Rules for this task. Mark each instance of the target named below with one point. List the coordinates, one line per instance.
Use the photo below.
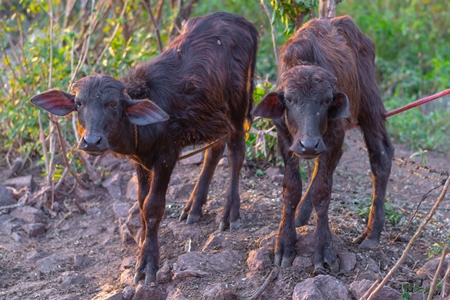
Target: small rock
(128, 292)
(180, 191)
(127, 277)
(176, 294)
(259, 260)
(322, 287)
(29, 214)
(164, 274)
(368, 275)
(16, 237)
(210, 292)
(428, 270)
(133, 220)
(372, 265)
(305, 240)
(8, 227)
(302, 262)
(128, 263)
(6, 197)
(71, 278)
(359, 288)
(125, 235)
(85, 195)
(348, 261)
(114, 296)
(121, 209)
(55, 262)
(214, 242)
(198, 264)
(268, 239)
(81, 261)
(226, 295)
(34, 229)
(34, 255)
(183, 232)
(112, 184)
(20, 182)
(418, 296)
(145, 292)
(132, 189)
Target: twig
(410, 219)
(413, 239)
(124, 8)
(436, 275)
(152, 19)
(66, 162)
(274, 37)
(272, 275)
(445, 279)
(371, 288)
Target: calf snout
(93, 144)
(309, 147)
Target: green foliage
(412, 40)
(436, 249)
(291, 13)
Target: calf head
(104, 109)
(308, 100)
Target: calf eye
(289, 100)
(78, 104)
(113, 104)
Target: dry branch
(413, 240)
(436, 275)
(272, 27)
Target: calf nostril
(317, 145)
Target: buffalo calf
(199, 90)
(326, 81)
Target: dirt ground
(83, 256)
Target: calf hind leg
(381, 152)
(193, 209)
(236, 154)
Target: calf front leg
(151, 213)
(193, 209)
(320, 190)
(292, 192)
(145, 178)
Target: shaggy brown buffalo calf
(200, 90)
(326, 81)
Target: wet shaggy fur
(325, 58)
(202, 85)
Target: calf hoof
(149, 277)
(235, 225)
(326, 269)
(369, 244)
(192, 218)
(284, 262)
(183, 216)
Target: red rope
(410, 105)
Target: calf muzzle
(93, 144)
(308, 148)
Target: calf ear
(340, 109)
(144, 112)
(57, 102)
(271, 106)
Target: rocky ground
(85, 248)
